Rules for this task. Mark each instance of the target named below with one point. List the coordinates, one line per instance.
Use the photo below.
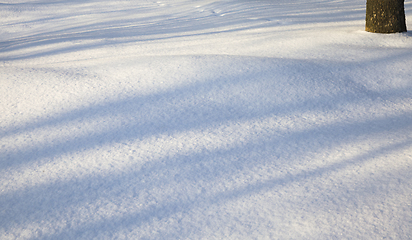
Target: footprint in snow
(280, 22)
(217, 12)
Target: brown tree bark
(385, 16)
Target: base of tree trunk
(385, 16)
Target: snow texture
(203, 119)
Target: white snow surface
(203, 119)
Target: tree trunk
(385, 16)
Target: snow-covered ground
(203, 119)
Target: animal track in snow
(278, 21)
(217, 12)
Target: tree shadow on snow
(176, 186)
(148, 22)
(183, 185)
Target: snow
(203, 119)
